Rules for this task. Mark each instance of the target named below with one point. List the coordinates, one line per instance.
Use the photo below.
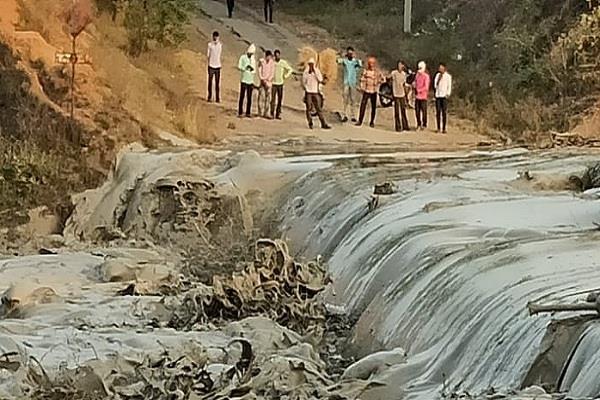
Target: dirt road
(247, 27)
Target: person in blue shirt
(351, 66)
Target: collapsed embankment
(120, 309)
(436, 274)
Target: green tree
(162, 21)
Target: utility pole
(407, 16)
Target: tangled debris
(589, 180)
(150, 200)
(271, 363)
(274, 285)
(385, 188)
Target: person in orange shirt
(370, 81)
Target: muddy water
(444, 268)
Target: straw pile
(328, 65)
(326, 61)
(305, 54)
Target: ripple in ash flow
(445, 269)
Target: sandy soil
(590, 126)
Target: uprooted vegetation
(287, 368)
(263, 309)
(274, 285)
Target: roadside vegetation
(520, 66)
(44, 155)
(41, 157)
(150, 22)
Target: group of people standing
(404, 83)
(272, 71)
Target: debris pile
(385, 188)
(274, 285)
(177, 202)
(269, 362)
(589, 180)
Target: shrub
(162, 21)
(41, 160)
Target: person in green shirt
(283, 71)
(247, 67)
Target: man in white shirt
(215, 49)
(399, 92)
(311, 80)
(442, 84)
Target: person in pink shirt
(422, 85)
(266, 73)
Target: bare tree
(78, 16)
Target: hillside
(157, 97)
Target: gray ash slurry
(445, 267)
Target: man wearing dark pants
(311, 79)
(443, 89)
(247, 67)
(230, 6)
(283, 71)
(214, 67)
(370, 81)
(399, 92)
(269, 11)
(422, 84)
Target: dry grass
(305, 54)
(328, 65)
(198, 123)
(41, 159)
(160, 87)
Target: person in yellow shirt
(283, 71)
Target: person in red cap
(370, 81)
